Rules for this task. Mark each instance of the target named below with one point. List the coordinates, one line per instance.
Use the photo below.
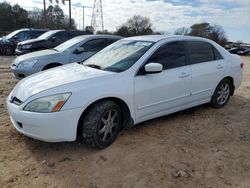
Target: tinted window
(95, 45)
(24, 35)
(170, 55)
(217, 54)
(110, 41)
(63, 35)
(35, 34)
(200, 52)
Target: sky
(165, 15)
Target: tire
(222, 94)
(7, 50)
(101, 124)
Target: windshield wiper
(94, 66)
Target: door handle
(183, 75)
(219, 66)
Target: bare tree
(213, 32)
(137, 25)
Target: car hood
(43, 54)
(54, 78)
(31, 41)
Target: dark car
(244, 52)
(236, 50)
(9, 42)
(48, 40)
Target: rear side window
(171, 55)
(95, 45)
(217, 55)
(200, 52)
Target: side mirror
(152, 68)
(79, 50)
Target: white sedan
(128, 82)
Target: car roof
(83, 37)
(157, 38)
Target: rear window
(200, 52)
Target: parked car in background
(244, 52)
(74, 50)
(236, 50)
(48, 40)
(9, 42)
(130, 81)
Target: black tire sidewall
(214, 103)
(100, 143)
(2, 50)
(92, 122)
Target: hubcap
(223, 93)
(109, 124)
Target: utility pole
(44, 11)
(63, 2)
(83, 18)
(69, 13)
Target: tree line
(139, 25)
(15, 17)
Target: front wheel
(222, 94)
(102, 124)
(7, 50)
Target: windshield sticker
(143, 43)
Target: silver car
(74, 50)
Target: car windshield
(12, 34)
(119, 56)
(47, 35)
(68, 44)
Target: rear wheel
(7, 50)
(222, 94)
(102, 124)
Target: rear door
(207, 66)
(161, 93)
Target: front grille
(16, 101)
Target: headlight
(27, 64)
(52, 103)
(27, 46)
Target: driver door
(91, 47)
(161, 93)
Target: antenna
(97, 16)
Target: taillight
(242, 65)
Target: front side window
(171, 55)
(94, 45)
(200, 52)
(119, 56)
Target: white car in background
(76, 49)
(128, 82)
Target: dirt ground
(200, 147)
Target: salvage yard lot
(199, 147)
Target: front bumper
(49, 127)
(21, 73)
